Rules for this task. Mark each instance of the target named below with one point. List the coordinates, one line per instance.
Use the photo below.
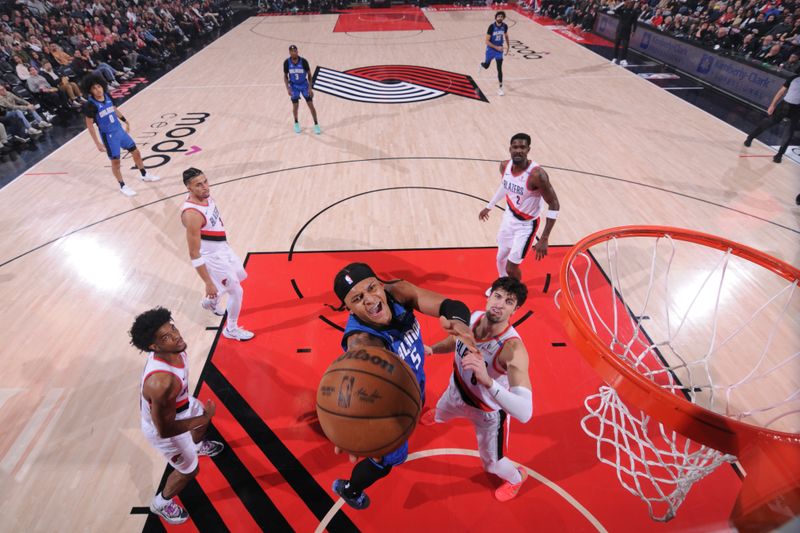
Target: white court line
(44, 438)
(682, 88)
(30, 430)
(246, 86)
(473, 453)
(6, 394)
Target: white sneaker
(209, 448)
(623, 63)
(43, 124)
(127, 191)
(614, 61)
(500, 92)
(172, 512)
(49, 116)
(237, 334)
(149, 177)
(210, 304)
(33, 131)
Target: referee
(779, 110)
(628, 15)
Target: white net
(711, 327)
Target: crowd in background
(47, 47)
(765, 31)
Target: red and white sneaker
(507, 491)
(172, 512)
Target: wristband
(454, 309)
(197, 262)
(552, 214)
(494, 389)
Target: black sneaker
(748, 141)
(362, 502)
(777, 158)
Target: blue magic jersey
(497, 34)
(104, 114)
(402, 336)
(296, 71)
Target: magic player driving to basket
(383, 315)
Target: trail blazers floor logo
(394, 84)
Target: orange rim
(699, 424)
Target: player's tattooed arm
(363, 339)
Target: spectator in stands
(61, 57)
(774, 55)
(748, 46)
(21, 69)
(41, 89)
(69, 89)
(792, 64)
(15, 128)
(13, 105)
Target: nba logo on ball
(368, 402)
(345, 391)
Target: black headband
(349, 276)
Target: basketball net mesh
(655, 463)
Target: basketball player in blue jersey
(297, 77)
(495, 36)
(100, 110)
(383, 315)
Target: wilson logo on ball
(394, 84)
(362, 355)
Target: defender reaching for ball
(383, 315)
(486, 386)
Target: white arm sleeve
(497, 196)
(517, 401)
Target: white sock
(502, 259)
(235, 294)
(506, 470)
(159, 502)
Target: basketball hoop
(698, 340)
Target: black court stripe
(546, 283)
(331, 324)
(525, 317)
(317, 499)
(304, 350)
(255, 500)
(140, 510)
(558, 344)
(153, 525)
(201, 511)
(297, 289)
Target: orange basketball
(368, 402)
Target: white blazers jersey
(212, 234)
(154, 365)
(475, 394)
(523, 203)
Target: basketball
(368, 402)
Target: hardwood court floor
(78, 260)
